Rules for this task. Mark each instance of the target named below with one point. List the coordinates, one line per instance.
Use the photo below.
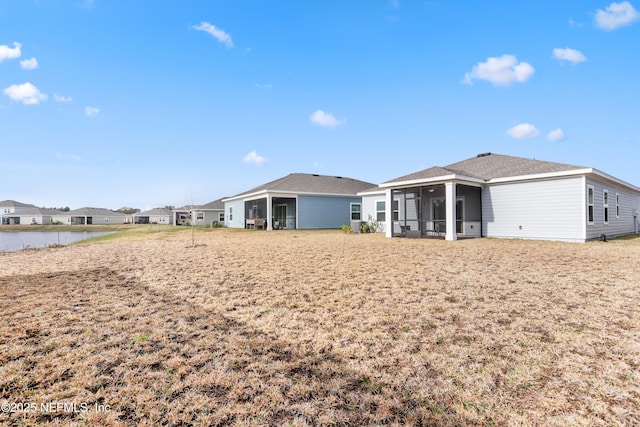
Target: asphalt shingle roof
(93, 212)
(215, 205)
(490, 166)
(312, 183)
(14, 204)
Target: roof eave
(572, 172)
(434, 180)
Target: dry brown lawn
(321, 328)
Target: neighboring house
(182, 216)
(33, 216)
(493, 195)
(210, 213)
(8, 207)
(89, 216)
(154, 216)
(297, 201)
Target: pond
(15, 240)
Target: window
(396, 210)
(617, 205)
(355, 212)
(106, 220)
(380, 211)
(230, 213)
(199, 216)
(605, 205)
(221, 217)
(590, 204)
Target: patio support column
(450, 202)
(269, 213)
(388, 214)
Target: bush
(346, 229)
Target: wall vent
(483, 154)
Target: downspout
(481, 209)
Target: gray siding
(324, 212)
(550, 209)
(618, 225)
(208, 216)
(238, 213)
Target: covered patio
(271, 213)
(448, 210)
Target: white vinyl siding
(619, 224)
(549, 209)
(235, 213)
(370, 208)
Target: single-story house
(211, 213)
(493, 195)
(154, 216)
(88, 216)
(297, 201)
(31, 215)
(8, 207)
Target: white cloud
(255, 158)
(91, 111)
(63, 99)
(556, 135)
(501, 71)
(26, 93)
(29, 64)
(575, 24)
(324, 119)
(10, 53)
(616, 15)
(216, 33)
(76, 157)
(523, 130)
(571, 55)
(264, 85)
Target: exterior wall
(208, 217)
(63, 219)
(369, 208)
(238, 213)
(617, 225)
(549, 210)
(29, 219)
(315, 212)
(161, 219)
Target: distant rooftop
(312, 183)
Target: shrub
(346, 229)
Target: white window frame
(220, 216)
(383, 211)
(590, 204)
(617, 205)
(230, 213)
(605, 206)
(351, 212)
(199, 216)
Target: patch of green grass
(140, 338)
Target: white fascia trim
(614, 179)
(289, 194)
(372, 193)
(541, 176)
(436, 180)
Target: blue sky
(113, 103)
